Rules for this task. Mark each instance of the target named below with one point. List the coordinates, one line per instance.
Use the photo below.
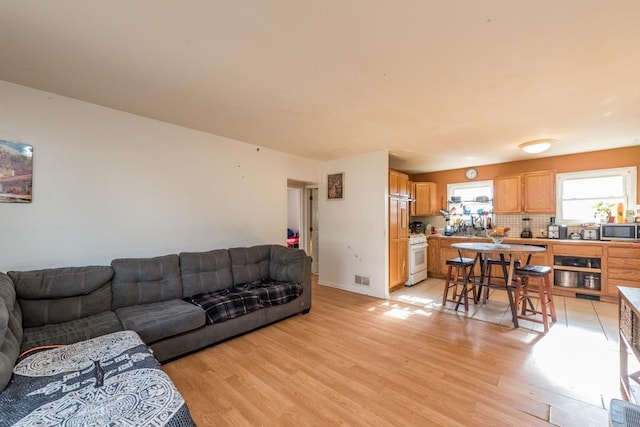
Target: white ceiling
(440, 84)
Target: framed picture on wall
(335, 186)
(16, 172)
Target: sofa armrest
(10, 329)
(287, 264)
(292, 265)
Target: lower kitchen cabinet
(398, 263)
(440, 250)
(446, 252)
(398, 242)
(613, 264)
(433, 257)
(623, 268)
(578, 269)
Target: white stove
(417, 258)
(415, 239)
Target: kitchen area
(589, 259)
(588, 269)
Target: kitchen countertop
(537, 240)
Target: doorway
(314, 230)
(302, 218)
(294, 217)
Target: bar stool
(464, 277)
(523, 294)
(488, 274)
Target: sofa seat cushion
(160, 320)
(273, 292)
(72, 331)
(226, 304)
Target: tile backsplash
(538, 223)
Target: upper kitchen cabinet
(540, 192)
(533, 192)
(398, 184)
(425, 201)
(507, 194)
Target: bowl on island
(498, 234)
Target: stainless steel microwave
(627, 231)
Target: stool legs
(489, 274)
(464, 277)
(449, 285)
(487, 277)
(543, 294)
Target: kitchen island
(602, 265)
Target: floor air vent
(623, 414)
(362, 280)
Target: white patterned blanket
(109, 380)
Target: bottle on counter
(488, 224)
(620, 214)
(448, 229)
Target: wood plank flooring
(407, 361)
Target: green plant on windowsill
(603, 211)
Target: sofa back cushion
(287, 264)
(250, 264)
(10, 329)
(59, 295)
(204, 272)
(146, 280)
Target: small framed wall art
(335, 186)
(16, 172)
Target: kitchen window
(471, 197)
(578, 192)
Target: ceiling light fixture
(536, 146)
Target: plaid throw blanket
(226, 304)
(274, 293)
(230, 303)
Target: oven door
(417, 258)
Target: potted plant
(603, 211)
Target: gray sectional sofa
(175, 304)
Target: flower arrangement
(603, 210)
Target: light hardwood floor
(407, 361)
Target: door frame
(304, 209)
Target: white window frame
(630, 187)
(465, 185)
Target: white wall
(353, 237)
(108, 184)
